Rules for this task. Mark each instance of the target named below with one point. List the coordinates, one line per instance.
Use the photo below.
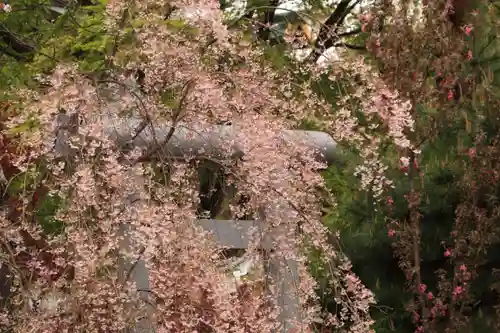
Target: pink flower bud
(469, 55)
(450, 95)
(458, 291)
(468, 29)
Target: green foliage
(12, 74)
(364, 233)
(274, 55)
(80, 36)
(45, 214)
(169, 98)
(28, 125)
(29, 23)
(46, 206)
(364, 239)
(24, 181)
(77, 35)
(330, 91)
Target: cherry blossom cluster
(5, 7)
(215, 76)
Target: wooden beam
(284, 275)
(236, 234)
(194, 142)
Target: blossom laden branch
(178, 114)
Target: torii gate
(228, 233)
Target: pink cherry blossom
(459, 290)
(468, 29)
(188, 285)
(450, 95)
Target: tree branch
(350, 33)
(14, 42)
(177, 115)
(64, 3)
(328, 35)
(7, 51)
(264, 30)
(350, 46)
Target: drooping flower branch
(196, 74)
